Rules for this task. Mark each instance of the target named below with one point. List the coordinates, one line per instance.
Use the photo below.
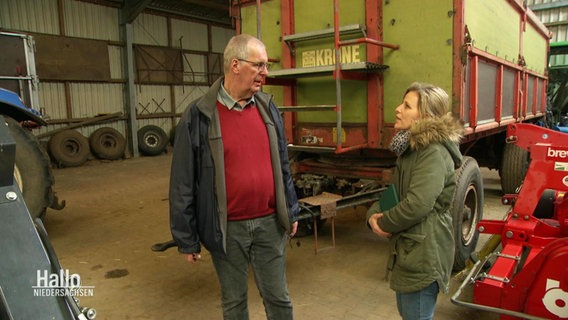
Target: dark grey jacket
(198, 200)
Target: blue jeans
(260, 243)
(418, 305)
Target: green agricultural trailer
(340, 67)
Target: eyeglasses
(259, 65)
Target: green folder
(389, 198)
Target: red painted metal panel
(473, 91)
(543, 97)
(356, 171)
(518, 96)
(289, 99)
(499, 94)
(325, 136)
(486, 56)
(369, 40)
(535, 95)
(524, 101)
(488, 292)
(375, 102)
(459, 54)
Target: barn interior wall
(198, 46)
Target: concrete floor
(117, 210)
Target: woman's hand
(373, 222)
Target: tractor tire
(32, 170)
(514, 167)
(467, 211)
(107, 143)
(152, 140)
(69, 148)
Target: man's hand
(294, 229)
(192, 257)
(373, 222)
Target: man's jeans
(418, 305)
(261, 243)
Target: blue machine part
(12, 106)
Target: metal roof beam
(131, 9)
(209, 5)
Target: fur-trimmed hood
(446, 130)
(432, 130)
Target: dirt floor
(115, 211)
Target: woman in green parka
(419, 227)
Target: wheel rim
(72, 147)
(108, 141)
(152, 140)
(469, 215)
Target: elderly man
(230, 186)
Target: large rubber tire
(514, 168)
(467, 211)
(69, 148)
(107, 143)
(32, 170)
(152, 140)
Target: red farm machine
(524, 273)
(340, 67)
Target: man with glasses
(230, 184)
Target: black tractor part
(32, 171)
(27, 254)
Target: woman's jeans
(260, 242)
(418, 305)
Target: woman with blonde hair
(419, 227)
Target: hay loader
(338, 75)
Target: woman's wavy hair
(433, 101)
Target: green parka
(422, 244)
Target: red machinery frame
(528, 276)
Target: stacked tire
(69, 148)
(107, 143)
(152, 140)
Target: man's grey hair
(237, 48)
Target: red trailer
(340, 68)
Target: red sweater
(248, 170)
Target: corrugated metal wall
(40, 16)
(554, 14)
(86, 20)
(68, 102)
